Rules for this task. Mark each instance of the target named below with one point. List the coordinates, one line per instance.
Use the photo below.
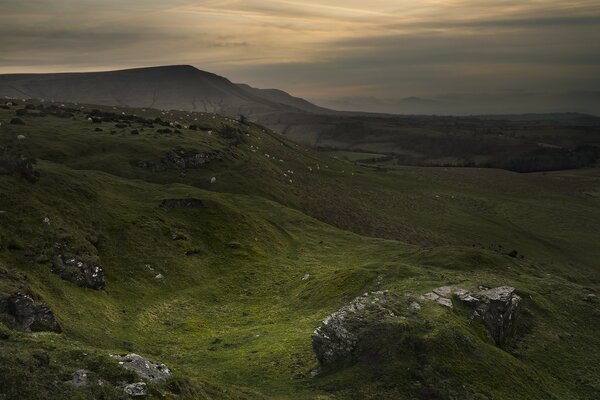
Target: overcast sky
(319, 49)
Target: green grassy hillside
(284, 237)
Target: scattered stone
(181, 159)
(306, 277)
(23, 312)
(154, 372)
(136, 389)
(181, 203)
(443, 295)
(213, 179)
(46, 220)
(21, 137)
(74, 269)
(79, 379)
(159, 276)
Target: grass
(233, 317)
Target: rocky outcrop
(82, 273)
(497, 307)
(181, 159)
(181, 203)
(336, 339)
(154, 372)
(22, 311)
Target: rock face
(23, 312)
(136, 389)
(74, 269)
(497, 307)
(180, 203)
(336, 338)
(154, 372)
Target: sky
(325, 51)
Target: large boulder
(82, 273)
(497, 307)
(152, 371)
(340, 334)
(23, 312)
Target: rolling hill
(224, 245)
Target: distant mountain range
(183, 87)
(509, 102)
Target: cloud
(318, 49)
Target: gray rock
(336, 338)
(497, 307)
(443, 295)
(74, 269)
(136, 389)
(23, 312)
(154, 372)
(79, 379)
(414, 307)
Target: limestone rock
(23, 312)
(443, 295)
(74, 269)
(154, 372)
(497, 307)
(336, 338)
(136, 389)
(79, 379)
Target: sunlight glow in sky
(319, 49)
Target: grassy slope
(253, 299)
